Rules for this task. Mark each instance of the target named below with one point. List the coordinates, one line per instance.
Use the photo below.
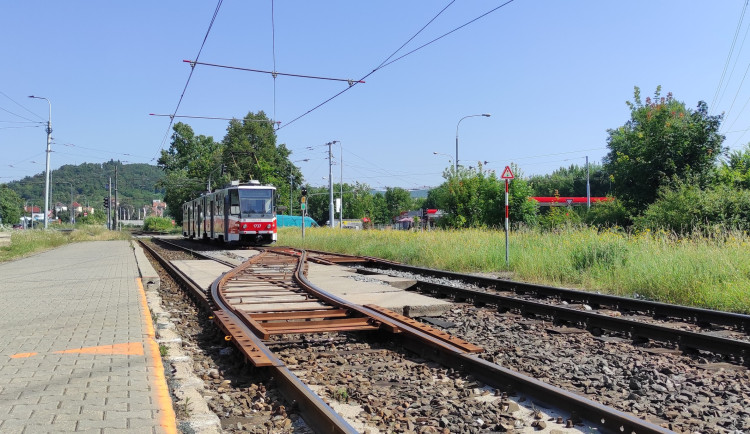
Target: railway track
(683, 327)
(239, 304)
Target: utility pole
(109, 202)
(49, 144)
(72, 213)
(330, 186)
(116, 209)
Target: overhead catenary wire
(192, 69)
(20, 105)
(16, 114)
(714, 101)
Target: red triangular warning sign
(507, 174)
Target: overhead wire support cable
(383, 65)
(273, 52)
(274, 73)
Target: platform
(77, 344)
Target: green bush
(687, 208)
(559, 217)
(609, 213)
(157, 224)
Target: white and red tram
(242, 213)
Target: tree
(571, 181)
(250, 152)
(662, 143)
(475, 198)
(10, 206)
(397, 200)
(735, 172)
(189, 163)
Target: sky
(554, 75)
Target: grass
(26, 242)
(711, 272)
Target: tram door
(199, 221)
(212, 207)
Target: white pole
(507, 262)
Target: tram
(243, 213)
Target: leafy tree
(571, 181)
(663, 142)
(250, 152)
(397, 200)
(521, 209)
(380, 213)
(188, 164)
(735, 172)
(11, 205)
(475, 198)
(98, 217)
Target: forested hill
(136, 184)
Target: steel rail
(319, 416)
(194, 290)
(496, 376)
(636, 329)
(315, 411)
(657, 309)
(197, 253)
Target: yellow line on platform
(168, 420)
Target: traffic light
(106, 202)
(304, 191)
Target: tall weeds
(708, 271)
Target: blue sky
(554, 75)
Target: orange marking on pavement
(168, 420)
(22, 355)
(127, 349)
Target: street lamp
(459, 123)
(49, 142)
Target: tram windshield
(256, 202)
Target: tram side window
(234, 202)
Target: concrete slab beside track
(384, 291)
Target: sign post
(303, 207)
(507, 176)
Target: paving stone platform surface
(76, 344)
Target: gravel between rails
(695, 393)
